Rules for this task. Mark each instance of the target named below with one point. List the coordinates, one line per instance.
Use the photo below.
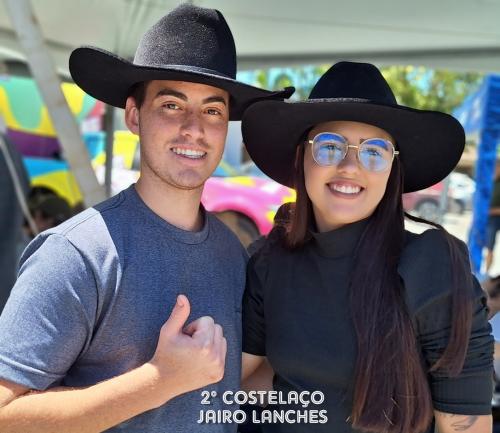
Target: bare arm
(91, 409)
(185, 359)
(495, 211)
(250, 363)
(453, 423)
(261, 379)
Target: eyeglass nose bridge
(347, 146)
(358, 147)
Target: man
(85, 325)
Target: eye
(332, 146)
(214, 112)
(372, 151)
(171, 106)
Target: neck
(178, 207)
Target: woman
(341, 299)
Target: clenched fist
(189, 357)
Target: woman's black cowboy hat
(430, 142)
(189, 44)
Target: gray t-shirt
(93, 293)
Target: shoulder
(431, 245)
(426, 268)
(268, 251)
(86, 234)
(90, 220)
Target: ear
(132, 115)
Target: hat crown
(189, 36)
(352, 80)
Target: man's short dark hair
(138, 92)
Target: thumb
(179, 315)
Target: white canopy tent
(456, 34)
(452, 34)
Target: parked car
(247, 204)
(462, 189)
(425, 203)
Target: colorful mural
(28, 121)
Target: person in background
(48, 211)
(11, 215)
(492, 288)
(493, 220)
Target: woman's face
(344, 193)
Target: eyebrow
(214, 99)
(180, 95)
(171, 92)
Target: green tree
(417, 87)
(303, 79)
(430, 89)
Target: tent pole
(109, 127)
(17, 187)
(75, 152)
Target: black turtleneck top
(296, 312)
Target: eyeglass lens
(375, 154)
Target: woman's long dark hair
(391, 393)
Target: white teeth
(346, 189)
(190, 153)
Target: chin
(190, 178)
(347, 216)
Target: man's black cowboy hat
(189, 44)
(430, 143)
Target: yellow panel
(241, 180)
(6, 112)
(63, 183)
(124, 146)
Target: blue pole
(485, 170)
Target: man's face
(182, 128)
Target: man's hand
(189, 357)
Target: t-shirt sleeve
(470, 392)
(48, 319)
(254, 333)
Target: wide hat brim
(108, 77)
(430, 142)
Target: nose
(350, 163)
(192, 125)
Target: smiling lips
(346, 189)
(189, 153)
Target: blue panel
(485, 169)
(40, 166)
(480, 114)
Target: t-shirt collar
(180, 235)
